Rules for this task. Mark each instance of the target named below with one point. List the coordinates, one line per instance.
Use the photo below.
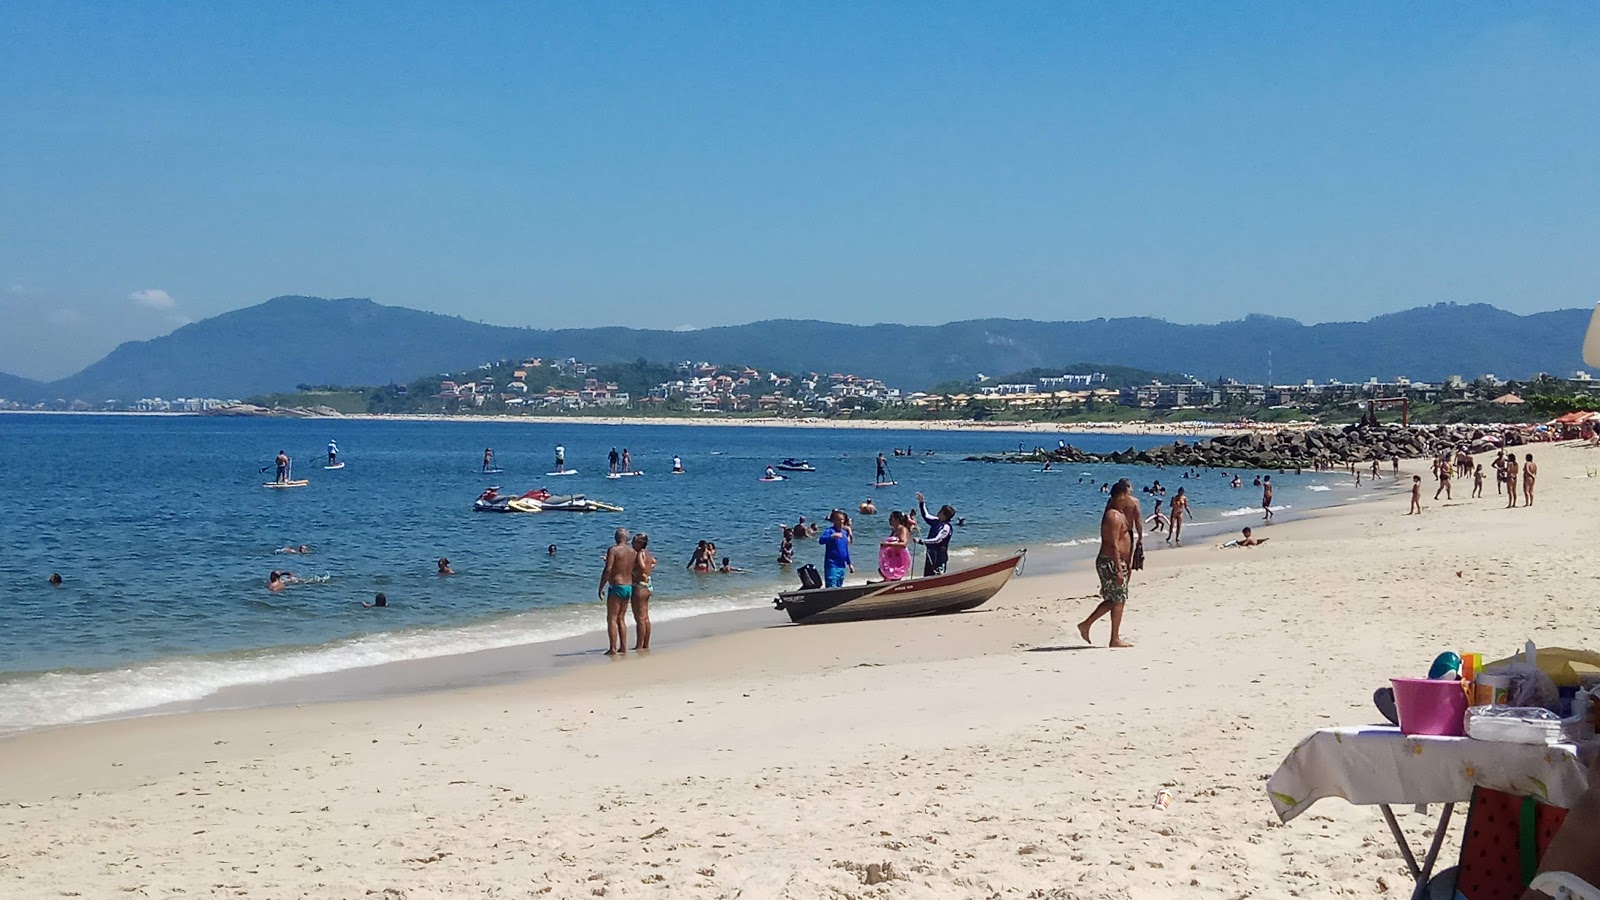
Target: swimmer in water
(728, 568)
(444, 567)
(277, 580)
(55, 579)
(552, 549)
(377, 601)
(303, 548)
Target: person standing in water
(1266, 498)
(644, 565)
(1179, 512)
(333, 453)
(894, 552)
(616, 590)
(937, 543)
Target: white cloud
(155, 298)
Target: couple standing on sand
(624, 582)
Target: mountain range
(287, 341)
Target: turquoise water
(164, 535)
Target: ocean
(164, 536)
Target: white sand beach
(983, 755)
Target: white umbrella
(1591, 340)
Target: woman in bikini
(644, 565)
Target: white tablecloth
(1371, 765)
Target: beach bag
(1505, 838)
(810, 580)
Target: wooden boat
(948, 593)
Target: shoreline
(529, 660)
(989, 753)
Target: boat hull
(953, 592)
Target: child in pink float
(894, 553)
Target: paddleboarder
(333, 452)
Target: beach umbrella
(1591, 340)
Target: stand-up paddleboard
(334, 466)
(679, 472)
(559, 474)
(615, 475)
(884, 484)
(773, 478)
(286, 484)
(493, 471)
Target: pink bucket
(1430, 707)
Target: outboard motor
(810, 580)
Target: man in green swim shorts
(616, 589)
(1113, 564)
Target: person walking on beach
(835, 543)
(1396, 462)
(1510, 471)
(644, 565)
(1179, 512)
(1442, 469)
(1112, 565)
(283, 467)
(1266, 498)
(1416, 496)
(1500, 472)
(1530, 471)
(937, 544)
(616, 590)
(1477, 482)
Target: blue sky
(691, 164)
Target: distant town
(571, 386)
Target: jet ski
(492, 500)
(795, 465)
(575, 503)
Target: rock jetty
(1293, 448)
